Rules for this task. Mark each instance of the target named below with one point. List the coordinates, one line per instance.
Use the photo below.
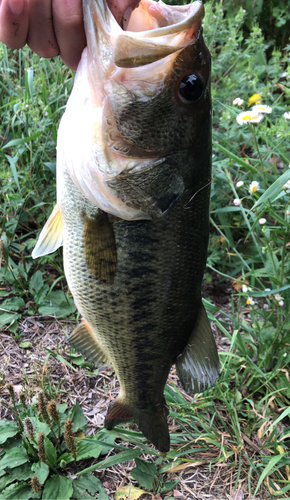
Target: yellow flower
(254, 99)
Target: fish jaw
(97, 150)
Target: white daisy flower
(244, 288)
(249, 117)
(250, 301)
(239, 184)
(253, 187)
(281, 303)
(237, 202)
(278, 297)
(261, 108)
(262, 220)
(287, 115)
(287, 185)
(238, 101)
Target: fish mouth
(149, 33)
(122, 66)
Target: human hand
(49, 27)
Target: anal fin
(198, 365)
(84, 341)
(51, 236)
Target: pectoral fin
(51, 236)
(154, 189)
(198, 365)
(84, 341)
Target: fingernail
(16, 7)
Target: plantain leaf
(13, 458)
(78, 418)
(86, 449)
(40, 426)
(146, 466)
(50, 452)
(8, 428)
(90, 483)
(145, 480)
(168, 486)
(41, 470)
(18, 491)
(58, 488)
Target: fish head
(145, 107)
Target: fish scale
(135, 229)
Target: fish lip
(194, 17)
(107, 18)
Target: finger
(69, 30)
(41, 37)
(13, 23)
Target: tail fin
(153, 424)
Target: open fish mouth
(121, 74)
(149, 32)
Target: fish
(132, 212)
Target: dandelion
(254, 99)
(250, 301)
(244, 288)
(262, 220)
(239, 184)
(253, 187)
(237, 202)
(238, 101)
(249, 117)
(262, 108)
(287, 115)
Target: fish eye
(190, 88)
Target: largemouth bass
(132, 213)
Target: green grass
(243, 422)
